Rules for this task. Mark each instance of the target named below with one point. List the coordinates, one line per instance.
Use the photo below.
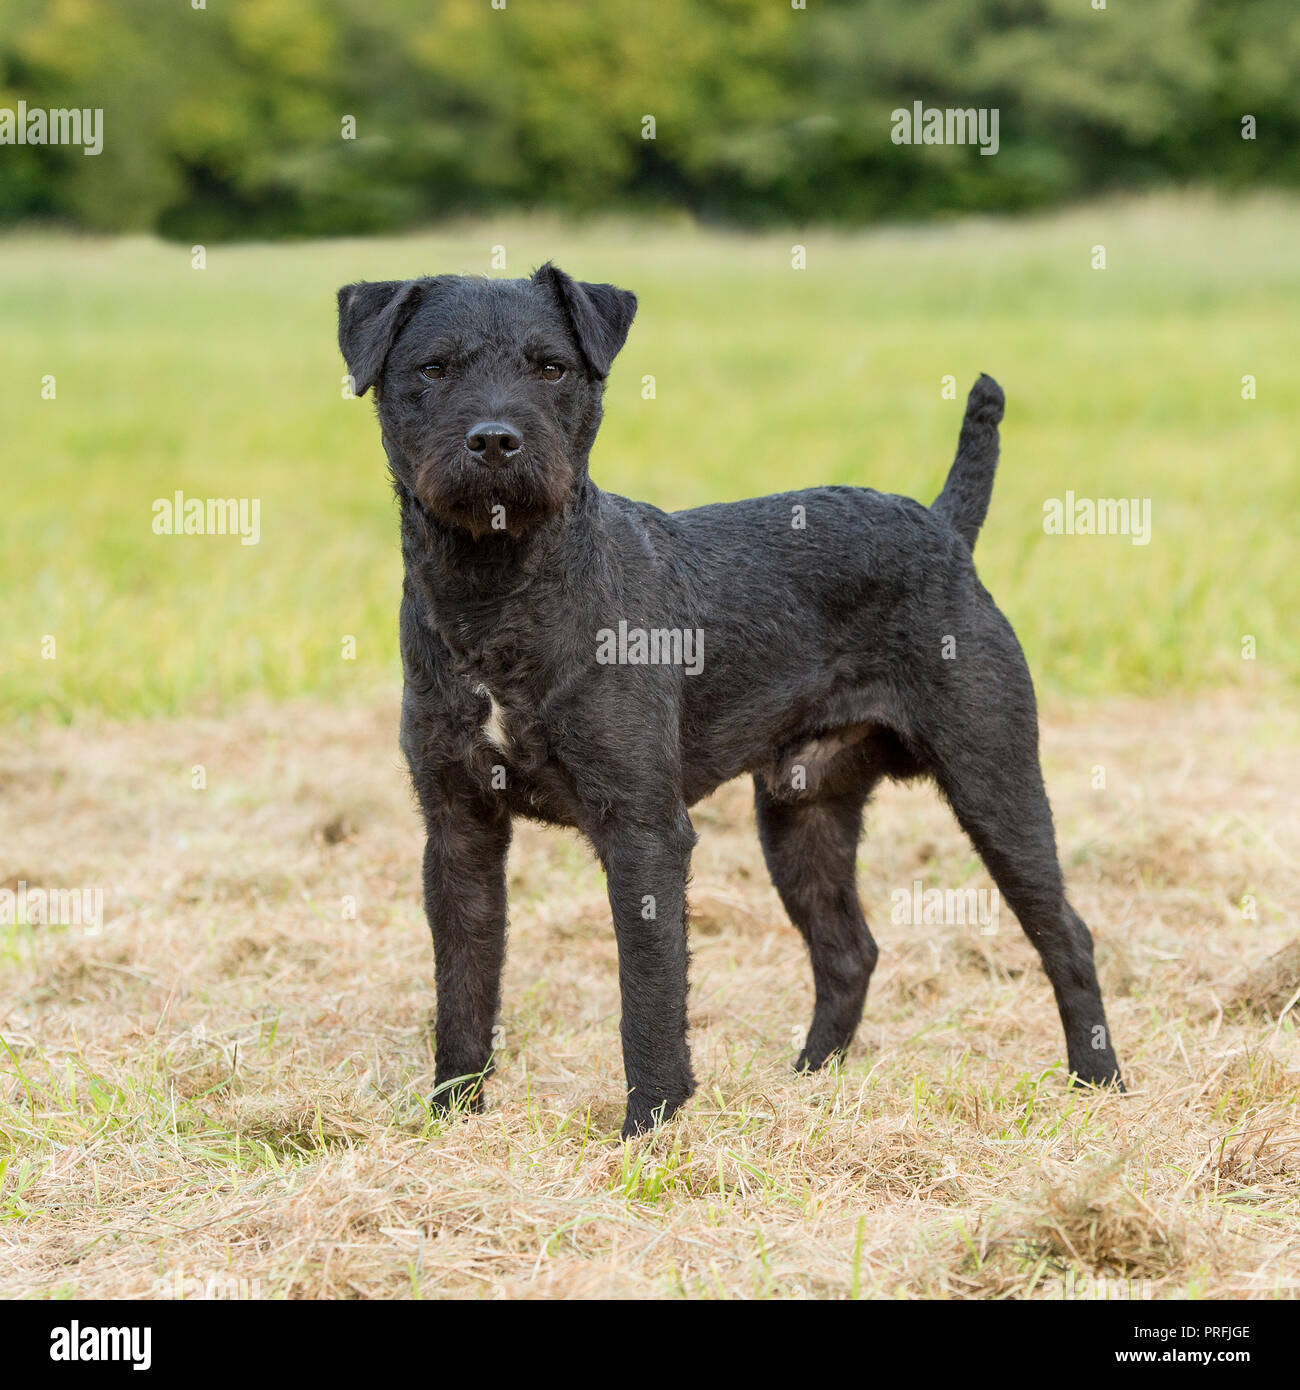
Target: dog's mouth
(506, 499)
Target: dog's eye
(433, 371)
(552, 371)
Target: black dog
(588, 661)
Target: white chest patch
(494, 726)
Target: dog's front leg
(465, 901)
(646, 867)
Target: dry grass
(225, 1084)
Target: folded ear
(371, 315)
(600, 315)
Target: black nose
(492, 442)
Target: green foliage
(227, 121)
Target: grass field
(223, 1092)
(1123, 382)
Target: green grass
(226, 382)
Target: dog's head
(488, 391)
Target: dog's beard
(508, 499)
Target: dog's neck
(463, 584)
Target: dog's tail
(964, 501)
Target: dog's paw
(815, 1058)
(1098, 1078)
(460, 1096)
(644, 1115)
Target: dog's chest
(514, 757)
(493, 729)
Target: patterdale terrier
(589, 661)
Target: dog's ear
(371, 315)
(600, 315)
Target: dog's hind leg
(811, 852)
(985, 760)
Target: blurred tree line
(229, 120)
